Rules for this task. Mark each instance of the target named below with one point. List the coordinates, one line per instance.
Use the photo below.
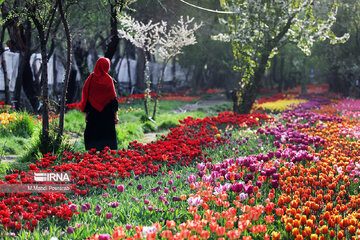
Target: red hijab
(99, 87)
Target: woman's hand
(116, 118)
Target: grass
(129, 129)
(74, 122)
(18, 135)
(13, 145)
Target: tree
(258, 29)
(42, 14)
(115, 8)
(158, 40)
(67, 68)
(343, 61)
(20, 33)
(3, 66)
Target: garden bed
(290, 175)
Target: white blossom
(157, 38)
(258, 26)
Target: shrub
(38, 147)
(149, 127)
(167, 124)
(16, 124)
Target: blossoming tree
(159, 40)
(258, 29)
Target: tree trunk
(198, 76)
(81, 55)
(281, 77)
(160, 82)
(45, 90)
(31, 87)
(72, 93)
(129, 72)
(249, 93)
(24, 41)
(6, 79)
(44, 82)
(173, 71)
(67, 72)
(140, 70)
(114, 40)
(18, 83)
(3, 66)
(55, 72)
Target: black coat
(100, 127)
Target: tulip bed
(293, 175)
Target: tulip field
(288, 170)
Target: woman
(100, 106)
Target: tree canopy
(258, 29)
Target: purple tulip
(200, 166)
(253, 167)
(139, 187)
(108, 215)
(174, 188)
(249, 189)
(146, 201)
(243, 196)
(113, 204)
(276, 176)
(128, 226)
(97, 207)
(166, 190)
(154, 190)
(73, 207)
(237, 187)
(176, 199)
(70, 230)
(120, 188)
(250, 176)
(275, 183)
(170, 182)
(84, 208)
(191, 178)
(150, 208)
(104, 237)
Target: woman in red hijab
(100, 105)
